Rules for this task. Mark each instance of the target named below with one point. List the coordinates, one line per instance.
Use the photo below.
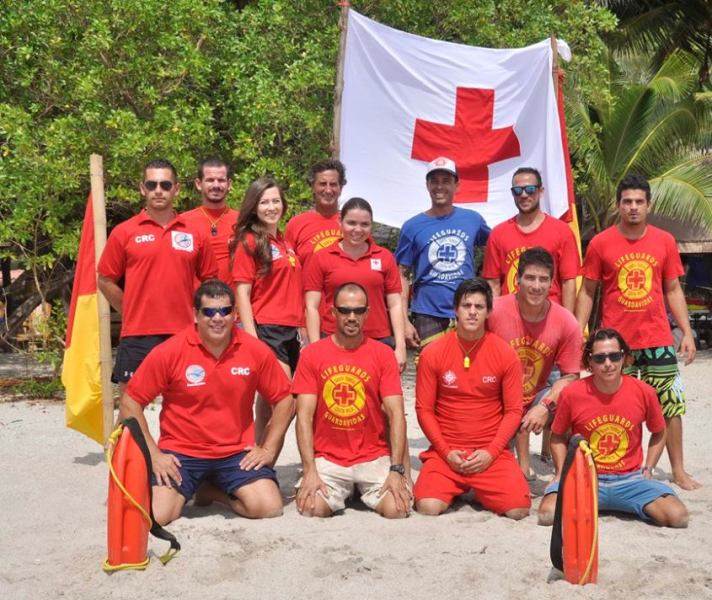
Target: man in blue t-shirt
(436, 249)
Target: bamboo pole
(339, 87)
(96, 170)
(555, 63)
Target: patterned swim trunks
(658, 368)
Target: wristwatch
(549, 405)
(400, 469)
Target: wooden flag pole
(555, 63)
(339, 88)
(96, 170)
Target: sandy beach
(53, 532)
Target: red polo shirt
(376, 271)
(310, 232)
(277, 298)
(202, 219)
(207, 402)
(160, 266)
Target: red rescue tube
(128, 521)
(580, 519)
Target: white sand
(52, 535)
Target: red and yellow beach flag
(81, 373)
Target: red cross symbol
(635, 279)
(470, 142)
(344, 395)
(608, 444)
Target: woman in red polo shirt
(268, 280)
(356, 257)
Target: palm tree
(649, 123)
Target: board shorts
(628, 493)
(499, 488)
(431, 328)
(283, 341)
(368, 477)
(225, 473)
(131, 353)
(658, 368)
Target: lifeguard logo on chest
(180, 240)
(449, 379)
(375, 264)
(195, 375)
(276, 252)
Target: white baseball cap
(442, 163)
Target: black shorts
(284, 342)
(130, 354)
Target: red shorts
(500, 488)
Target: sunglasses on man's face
(210, 312)
(166, 185)
(347, 310)
(601, 357)
(529, 189)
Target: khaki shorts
(369, 477)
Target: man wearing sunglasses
(208, 375)
(436, 249)
(214, 218)
(546, 337)
(608, 409)
(351, 428)
(531, 227)
(638, 267)
(159, 257)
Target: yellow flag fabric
(81, 372)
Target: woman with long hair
(357, 258)
(268, 280)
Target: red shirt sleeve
(491, 265)
(392, 282)
(112, 263)
(569, 262)
(244, 265)
(273, 384)
(673, 265)
(426, 391)
(314, 275)
(654, 419)
(592, 268)
(151, 378)
(568, 355)
(305, 378)
(390, 383)
(562, 419)
(512, 401)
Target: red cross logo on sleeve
(471, 142)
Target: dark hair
(356, 204)
(597, 336)
(212, 162)
(530, 171)
(212, 288)
(249, 223)
(161, 163)
(633, 181)
(536, 256)
(349, 286)
(478, 285)
(330, 164)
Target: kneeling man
(208, 375)
(347, 386)
(469, 404)
(609, 409)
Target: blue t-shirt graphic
(441, 253)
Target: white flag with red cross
(409, 99)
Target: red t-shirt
(632, 273)
(376, 271)
(612, 423)
(555, 340)
(507, 242)
(310, 232)
(224, 220)
(160, 266)
(349, 423)
(277, 299)
(469, 409)
(207, 402)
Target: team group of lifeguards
(319, 318)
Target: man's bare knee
(517, 514)
(431, 507)
(387, 509)
(321, 510)
(547, 508)
(167, 505)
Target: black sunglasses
(223, 311)
(601, 357)
(166, 185)
(347, 310)
(529, 189)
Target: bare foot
(686, 482)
